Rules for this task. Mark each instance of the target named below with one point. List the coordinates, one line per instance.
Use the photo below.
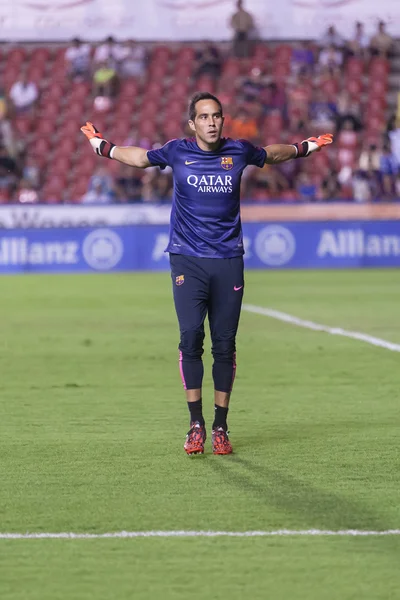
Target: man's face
(208, 121)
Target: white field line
(355, 335)
(184, 534)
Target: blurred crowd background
(137, 94)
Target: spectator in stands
(24, 94)
(253, 86)
(97, 194)
(347, 135)
(394, 137)
(397, 187)
(110, 52)
(129, 184)
(330, 187)
(361, 189)
(322, 112)
(8, 174)
(77, 58)
(348, 110)
(105, 81)
(299, 94)
(242, 23)
(243, 126)
(306, 188)
(302, 58)
(6, 160)
(357, 46)
(369, 165)
(388, 170)
(8, 183)
(381, 43)
(26, 194)
(274, 99)
(330, 58)
(208, 61)
(31, 172)
(3, 104)
(7, 137)
(157, 187)
(267, 183)
(331, 38)
(132, 60)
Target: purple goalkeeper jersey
(205, 215)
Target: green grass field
(93, 420)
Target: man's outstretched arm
(277, 153)
(130, 155)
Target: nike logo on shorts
(190, 162)
(237, 288)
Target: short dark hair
(201, 96)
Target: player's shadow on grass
(313, 508)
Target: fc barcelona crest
(227, 162)
(180, 279)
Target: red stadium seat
(182, 71)
(124, 109)
(283, 54)
(80, 90)
(23, 125)
(60, 165)
(231, 68)
(49, 111)
(77, 189)
(41, 146)
(376, 123)
(346, 157)
(161, 53)
(147, 129)
(378, 66)
(273, 124)
(205, 84)
(45, 127)
(330, 87)
(186, 54)
(36, 74)
(378, 86)
(53, 93)
(345, 139)
(129, 89)
(376, 104)
(41, 54)
(66, 145)
(16, 56)
(281, 71)
(354, 87)
(355, 67)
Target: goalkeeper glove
(313, 144)
(98, 143)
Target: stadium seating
(154, 109)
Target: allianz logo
(356, 242)
(19, 251)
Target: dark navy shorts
(212, 286)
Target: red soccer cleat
(220, 441)
(195, 439)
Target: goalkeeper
(206, 247)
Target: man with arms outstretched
(206, 247)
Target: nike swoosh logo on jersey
(237, 288)
(190, 162)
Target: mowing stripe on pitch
(355, 335)
(183, 534)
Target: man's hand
(313, 144)
(98, 143)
